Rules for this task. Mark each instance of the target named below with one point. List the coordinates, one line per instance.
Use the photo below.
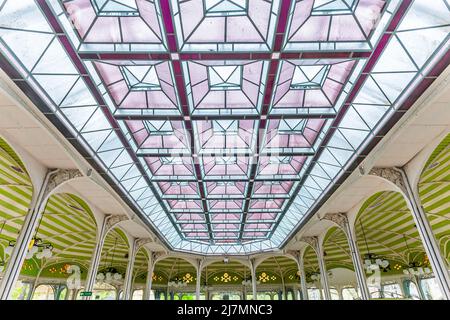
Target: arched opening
(62, 243)
(113, 264)
(277, 276)
(434, 194)
(390, 245)
(140, 274)
(175, 278)
(312, 272)
(338, 261)
(16, 191)
(227, 280)
(44, 292)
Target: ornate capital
(339, 218)
(312, 241)
(114, 220)
(61, 176)
(390, 174)
(141, 242)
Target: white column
(301, 268)
(429, 241)
(14, 265)
(253, 271)
(128, 283)
(96, 257)
(323, 273)
(150, 269)
(198, 280)
(357, 264)
(339, 290)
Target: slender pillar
(339, 290)
(14, 265)
(416, 281)
(342, 221)
(301, 268)
(357, 264)
(148, 285)
(429, 241)
(198, 280)
(95, 260)
(399, 177)
(128, 283)
(323, 272)
(253, 271)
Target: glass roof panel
(225, 26)
(211, 132)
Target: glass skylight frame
(69, 97)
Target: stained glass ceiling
(224, 123)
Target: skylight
(238, 115)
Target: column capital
(60, 176)
(340, 219)
(391, 174)
(140, 242)
(312, 241)
(113, 220)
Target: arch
(434, 194)
(310, 262)
(336, 250)
(140, 267)
(16, 193)
(281, 266)
(44, 292)
(231, 273)
(114, 257)
(170, 267)
(68, 226)
(385, 226)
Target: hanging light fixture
(110, 274)
(372, 261)
(415, 268)
(177, 282)
(36, 248)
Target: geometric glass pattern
(225, 77)
(141, 77)
(115, 25)
(334, 7)
(115, 7)
(225, 7)
(224, 124)
(225, 26)
(333, 24)
(309, 77)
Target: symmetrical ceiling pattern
(223, 123)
